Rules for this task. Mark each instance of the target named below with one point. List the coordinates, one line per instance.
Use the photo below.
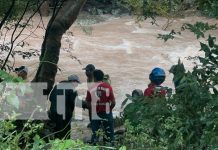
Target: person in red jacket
(101, 101)
(157, 77)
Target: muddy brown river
(120, 47)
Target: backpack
(107, 79)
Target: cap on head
(74, 78)
(157, 76)
(89, 67)
(21, 69)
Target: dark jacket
(70, 96)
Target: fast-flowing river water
(122, 48)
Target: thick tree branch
(52, 43)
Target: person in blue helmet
(157, 77)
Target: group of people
(99, 96)
(99, 101)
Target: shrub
(209, 7)
(187, 119)
(18, 8)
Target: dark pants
(62, 128)
(107, 122)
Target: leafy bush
(28, 138)
(150, 8)
(170, 8)
(21, 134)
(209, 7)
(18, 8)
(187, 119)
(99, 7)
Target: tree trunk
(44, 9)
(50, 49)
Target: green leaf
(205, 48)
(9, 78)
(203, 60)
(211, 41)
(122, 148)
(199, 28)
(13, 100)
(1, 86)
(166, 37)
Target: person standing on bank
(89, 69)
(22, 72)
(63, 121)
(157, 77)
(101, 101)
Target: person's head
(22, 72)
(137, 93)
(98, 75)
(90, 68)
(74, 79)
(157, 76)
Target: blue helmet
(157, 76)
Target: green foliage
(187, 119)
(18, 8)
(14, 133)
(99, 7)
(11, 138)
(25, 134)
(207, 72)
(70, 144)
(12, 98)
(6, 77)
(170, 8)
(166, 37)
(145, 9)
(208, 7)
(199, 28)
(150, 9)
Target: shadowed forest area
(160, 66)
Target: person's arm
(89, 105)
(88, 100)
(113, 104)
(112, 99)
(72, 98)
